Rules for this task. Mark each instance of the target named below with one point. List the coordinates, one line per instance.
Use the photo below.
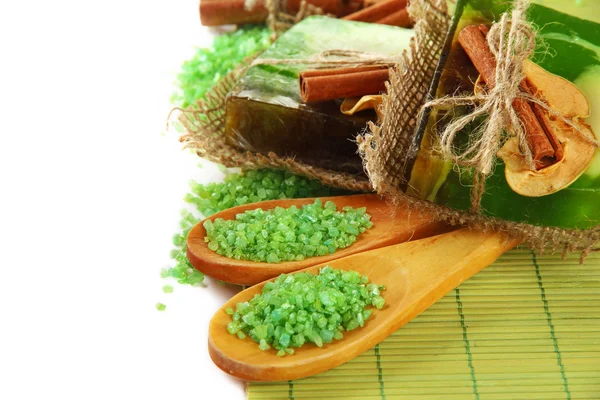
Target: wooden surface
(388, 228)
(416, 274)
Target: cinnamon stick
(330, 84)
(545, 123)
(399, 18)
(473, 41)
(377, 11)
(225, 12)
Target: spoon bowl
(416, 274)
(390, 226)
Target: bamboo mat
(526, 327)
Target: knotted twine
(280, 21)
(511, 41)
(335, 58)
(278, 18)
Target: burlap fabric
(387, 150)
(280, 20)
(205, 133)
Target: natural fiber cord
(279, 20)
(526, 327)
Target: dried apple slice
(566, 99)
(560, 94)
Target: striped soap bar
(264, 111)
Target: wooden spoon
(416, 274)
(390, 226)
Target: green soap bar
(264, 110)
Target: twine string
(511, 41)
(335, 58)
(279, 20)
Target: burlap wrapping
(205, 133)
(280, 20)
(387, 150)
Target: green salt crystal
(284, 340)
(264, 111)
(261, 331)
(378, 302)
(167, 289)
(232, 327)
(298, 340)
(263, 345)
(360, 319)
(160, 306)
(316, 339)
(272, 258)
(327, 335)
(353, 324)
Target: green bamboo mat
(526, 327)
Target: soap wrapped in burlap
(409, 158)
(255, 116)
(391, 148)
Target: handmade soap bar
(574, 44)
(265, 113)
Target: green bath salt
(305, 308)
(200, 73)
(253, 186)
(236, 189)
(287, 234)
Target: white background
(91, 187)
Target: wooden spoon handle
(435, 266)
